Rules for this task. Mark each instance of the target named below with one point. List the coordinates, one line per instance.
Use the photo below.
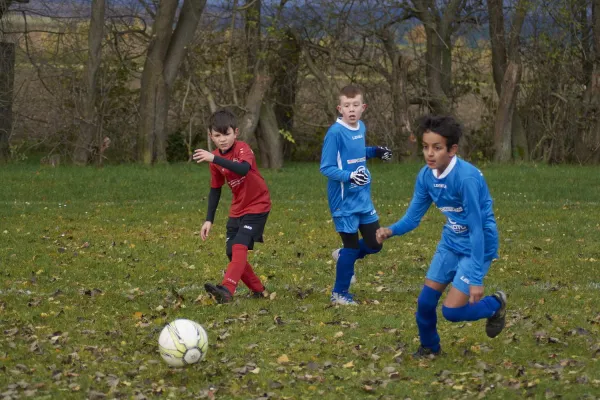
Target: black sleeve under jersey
(213, 201)
(240, 168)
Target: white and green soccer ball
(183, 342)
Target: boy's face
(436, 152)
(224, 141)
(351, 109)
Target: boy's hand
(475, 293)
(205, 229)
(201, 155)
(384, 153)
(359, 177)
(383, 234)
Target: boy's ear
(453, 150)
(364, 106)
(236, 132)
(339, 108)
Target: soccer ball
(182, 342)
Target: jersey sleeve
(419, 205)
(472, 207)
(329, 159)
(245, 153)
(371, 152)
(216, 178)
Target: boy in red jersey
(233, 163)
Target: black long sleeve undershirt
(240, 168)
(213, 201)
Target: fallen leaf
(283, 359)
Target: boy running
(469, 240)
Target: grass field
(93, 263)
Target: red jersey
(250, 192)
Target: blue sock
(344, 269)
(364, 249)
(484, 308)
(427, 318)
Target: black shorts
(246, 229)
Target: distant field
(93, 263)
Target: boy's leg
(236, 267)
(251, 280)
(426, 315)
(344, 268)
(441, 271)
(251, 228)
(457, 308)
(368, 244)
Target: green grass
(95, 261)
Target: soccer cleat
(260, 295)
(495, 324)
(426, 352)
(220, 293)
(336, 255)
(343, 299)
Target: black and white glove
(359, 177)
(384, 153)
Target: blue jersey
(462, 195)
(344, 151)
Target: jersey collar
(447, 170)
(345, 125)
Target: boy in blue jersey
(469, 240)
(343, 161)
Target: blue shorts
(350, 223)
(447, 266)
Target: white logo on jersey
(451, 209)
(440, 185)
(248, 227)
(456, 228)
(357, 137)
(356, 160)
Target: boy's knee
(452, 314)
(427, 301)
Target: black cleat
(220, 293)
(426, 352)
(260, 295)
(495, 324)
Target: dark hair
(221, 120)
(351, 91)
(444, 125)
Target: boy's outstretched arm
(472, 206)
(419, 205)
(381, 152)
(240, 168)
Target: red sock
(251, 280)
(236, 267)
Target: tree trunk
(249, 121)
(439, 24)
(166, 52)
(438, 98)
(501, 53)
(7, 76)
(285, 81)
(270, 141)
(89, 126)
(504, 115)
